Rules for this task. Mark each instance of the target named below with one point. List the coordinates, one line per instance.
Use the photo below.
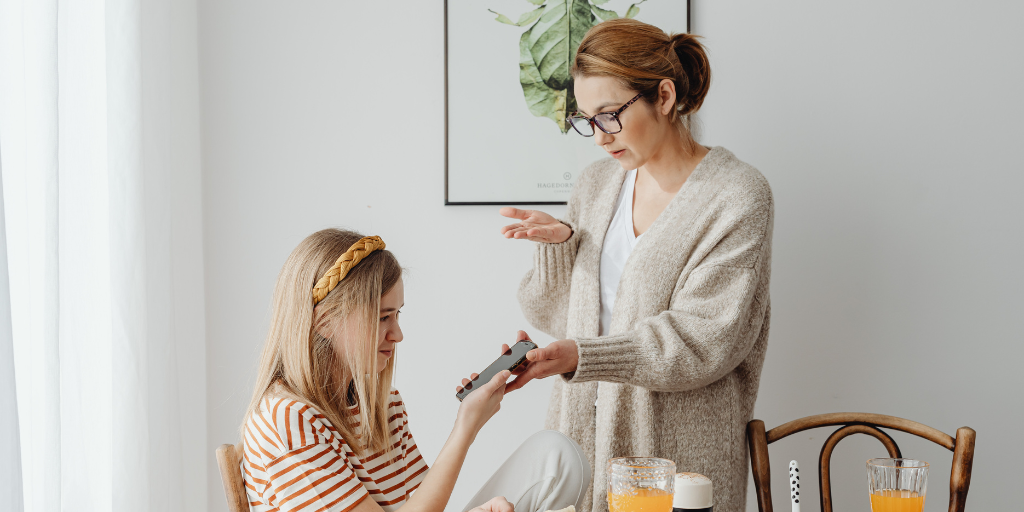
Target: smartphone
(510, 360)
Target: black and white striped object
(794, 485)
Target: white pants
(548, 471)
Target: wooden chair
(228, 458)
(858, 423)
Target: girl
(656, 283)
(325, 430)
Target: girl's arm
(436, 489)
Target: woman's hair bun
(694, 79)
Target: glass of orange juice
(640, 484)
(897, 485)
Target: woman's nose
(601, 138)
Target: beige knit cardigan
(681, 364)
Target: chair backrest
(228, 458)
(858, 423)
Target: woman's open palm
(534, 225)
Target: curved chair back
(229, 458)
(858, 423)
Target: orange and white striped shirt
(294, 459)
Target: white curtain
(10, 440)
(99, 152)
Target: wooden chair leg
(758, 443)
(960, 476)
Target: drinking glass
(640, 484)
(897, 485)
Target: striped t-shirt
(294, 459)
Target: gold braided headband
(359, 250)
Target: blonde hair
(640, 56)
(300, 360)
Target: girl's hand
(481, 404)
(498, 504)
(535, 226)
(559, 357)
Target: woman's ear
(666, 97)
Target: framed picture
(508, 91)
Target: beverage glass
(640, 484)
(897, 485)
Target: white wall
(885, 129)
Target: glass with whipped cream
(692, 493)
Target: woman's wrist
(555, 239)
(568, 229)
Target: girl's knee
(552, 442)
(552, 439)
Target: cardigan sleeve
(713, 320)
(544, 291)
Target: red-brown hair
(640, 56)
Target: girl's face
(389, 332)
(644, 126)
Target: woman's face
(389, 332)
(644, 128)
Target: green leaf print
(548, 48)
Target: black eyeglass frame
(594, 122)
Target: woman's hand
(481, 404)
(535, 226)
(498, 504)
(559, 357)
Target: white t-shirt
(619, 242)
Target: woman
(656, 283)
(325, 430)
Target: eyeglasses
(607, 122)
